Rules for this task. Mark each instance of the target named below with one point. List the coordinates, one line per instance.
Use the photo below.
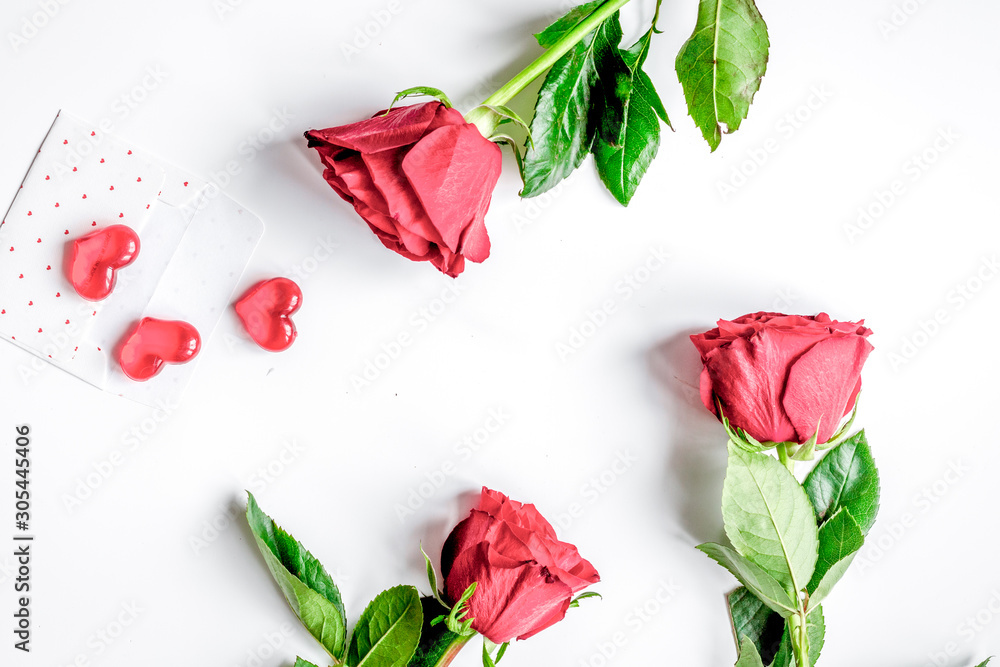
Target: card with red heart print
(193, 243)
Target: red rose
(779, 376)
(420, 176)
(525, 577)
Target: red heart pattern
(265, 311)
(96, 258)
(153, 343)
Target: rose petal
(385, 168)
(400, 127)
(453, 171)
(512, 599)
(821, 383)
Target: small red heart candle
(96, 258)
(266, 310)
(152, 343)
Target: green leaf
(436, 640)
(614, 79)
(846, 477)
(299, 662)
(753, 619)
(763, 585)
(307, 587)
(839, 539)
(560, 128)
(816, 628)
(984, 662)
(749, 657)
(421, 90)
(567, 22)
(621, 164)
(388, 632)
(721, 65)
(581, 97)
(768, 518)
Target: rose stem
(453, 650)
(521, 80)
(785, 459)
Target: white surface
(210, 87)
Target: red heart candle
(96, 258)
(266, 310)
(152, 343)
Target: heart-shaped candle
(153, 343)
(96, 258)
(266, 311)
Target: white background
(777, 242)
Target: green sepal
(841, 433)
(299, 662)
(741, 438)
(807, 450)
(420, 90)
(453, 620)
(437, 642)
(575, 602)
(432, 577)
(488, 648)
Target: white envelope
(195, 243)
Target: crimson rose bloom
(420, 176)
(779, 376)
(525, 577)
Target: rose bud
(525, 577)
(420, 176)
(779, 377)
